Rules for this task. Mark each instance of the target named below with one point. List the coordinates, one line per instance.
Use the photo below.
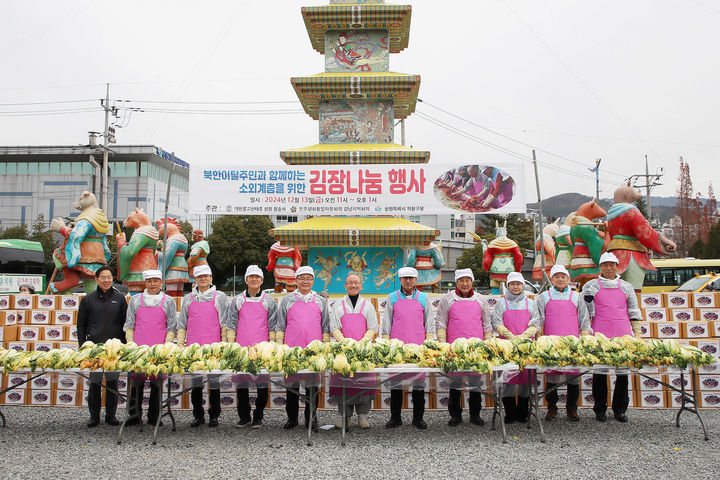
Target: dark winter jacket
(101, 316)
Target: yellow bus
(673, 272)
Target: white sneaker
(363, 421)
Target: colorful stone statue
(283, 261)
(84, 249)
(137, 255)
(587, 243)
(199, 251)
(176, 269)
(501, 257)
(563, 243)
(631, 236)
(545, 245)
(427, 261)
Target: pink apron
(517, 322)
(252, 328)
(203, 325)
(304, 324)
(611, 315)
(150, 329)
(408, 322)
(464, 321)
(150, 324)
(408, 325)
(561, 319)
(354, 325)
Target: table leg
(311, 401)
(343, 414)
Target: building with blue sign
(46, 180)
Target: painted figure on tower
(427, 261)
(283, 261)
(84, 249)
(137, 255)
(199, 252)
(587, 242)
(502, 256)
(631, 236)
(545, 245)
(175, 270)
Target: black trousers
(136, 400)
(214, 399)
(474, 403)
(95, 394)
(243, 403)
(292, 403)
(620, 398)
(573, 393)
(396, 400)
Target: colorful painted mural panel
(377, 267)
(356, 121)
(357, 51)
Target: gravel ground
(54, 443)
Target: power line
(510, 138)
(30, 113)
(48, 102)
(258, 102)
(580, 80)
(504, 150)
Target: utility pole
(540, 219)
(651, 181)
(106, 137)
(596, 170)
(167, 203)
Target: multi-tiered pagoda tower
(356, 101)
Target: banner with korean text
(358, 189)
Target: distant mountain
(560, 205)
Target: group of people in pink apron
(151, 320)
(302, 318)
(353, 317)
(250, 319)
(201, 321)
(606, 304)
(613, 307)
(464, 313)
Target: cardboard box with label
(46, 302)
(667, 330)
(64, 317)
(678, 299)
(66, 398)
(22, 302)
(695, 329)
(29, 333)
(53, 333)
(682, 314)
(652, 300)
(655, 314)
(705, 300)
(8, 318)
(69, 302)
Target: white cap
(254, 270)
(305, 269)
(558, 269)
(202, 270)
(515, 277)
(407, 272)
(464, 272)
(608, 257)
(152, 274)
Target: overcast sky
(577, 80)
